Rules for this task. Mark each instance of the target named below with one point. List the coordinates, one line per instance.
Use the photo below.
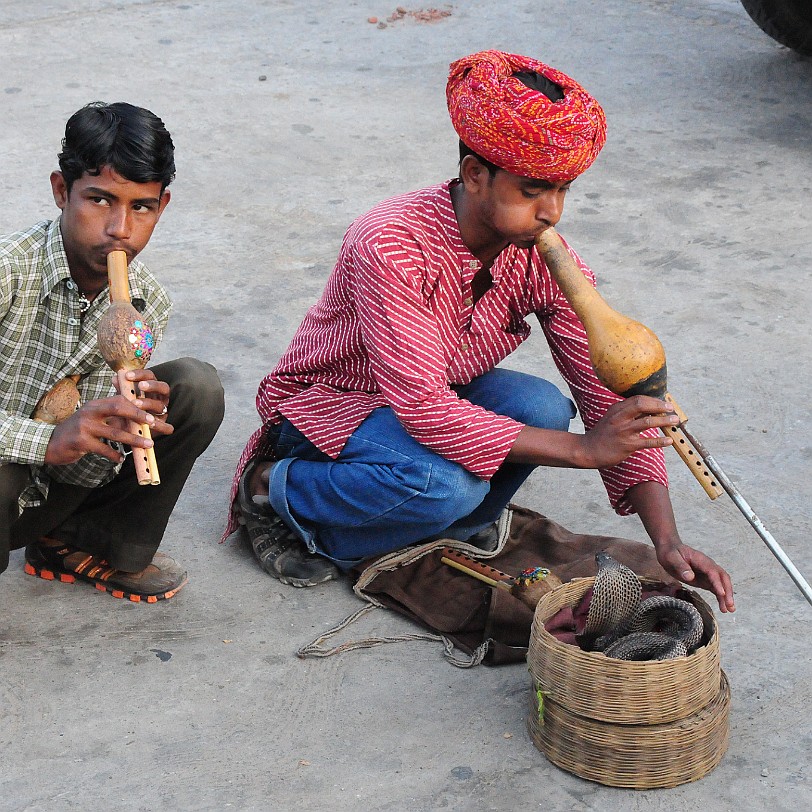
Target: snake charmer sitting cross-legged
(68, 487)
(388, 421)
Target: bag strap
(317, 648)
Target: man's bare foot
(260, 478)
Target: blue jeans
(386, 491)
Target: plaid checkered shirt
(43, 339)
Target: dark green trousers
(122, 521)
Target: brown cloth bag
(487, 623)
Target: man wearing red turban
(388, 421)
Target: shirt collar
(55, 269)
(469, 263)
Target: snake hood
(615, 597)
(622, 626)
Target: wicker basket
(594, 686)
(633, 756)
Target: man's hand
(154, 397)
(697, 569)
(618, 433)
(653, 506)
(109, 419)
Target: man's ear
(60, 189)
(166, 196)
(473, 174)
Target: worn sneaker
(55, 561)
(280, 552)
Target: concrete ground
(289, 120)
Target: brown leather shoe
(53, 560)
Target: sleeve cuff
(23, 440)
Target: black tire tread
(786, 21)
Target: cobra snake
(622, 626)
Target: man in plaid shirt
(68, 488)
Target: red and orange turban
(519, 129)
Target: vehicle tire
(786, 21)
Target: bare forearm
(652, 503)
(559, 449)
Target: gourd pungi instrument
(629, 359)
(126, 342)
(59, 402)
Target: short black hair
(533, 80)
(131, 140)
(466, 150)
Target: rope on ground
(317, 647)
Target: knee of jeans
(454, 493)
(197, 393)
(545, 407)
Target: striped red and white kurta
(396, 326)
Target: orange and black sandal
(54, 561)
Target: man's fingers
(722, 587)
(132, 437)
(711, 577)
(114, 420)
(161, 427)
(643, 404)
(146, 384)
(655, 442)
(154, 406)
(154, 387)
(656, 421)
(122, 408)
(679, 566)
